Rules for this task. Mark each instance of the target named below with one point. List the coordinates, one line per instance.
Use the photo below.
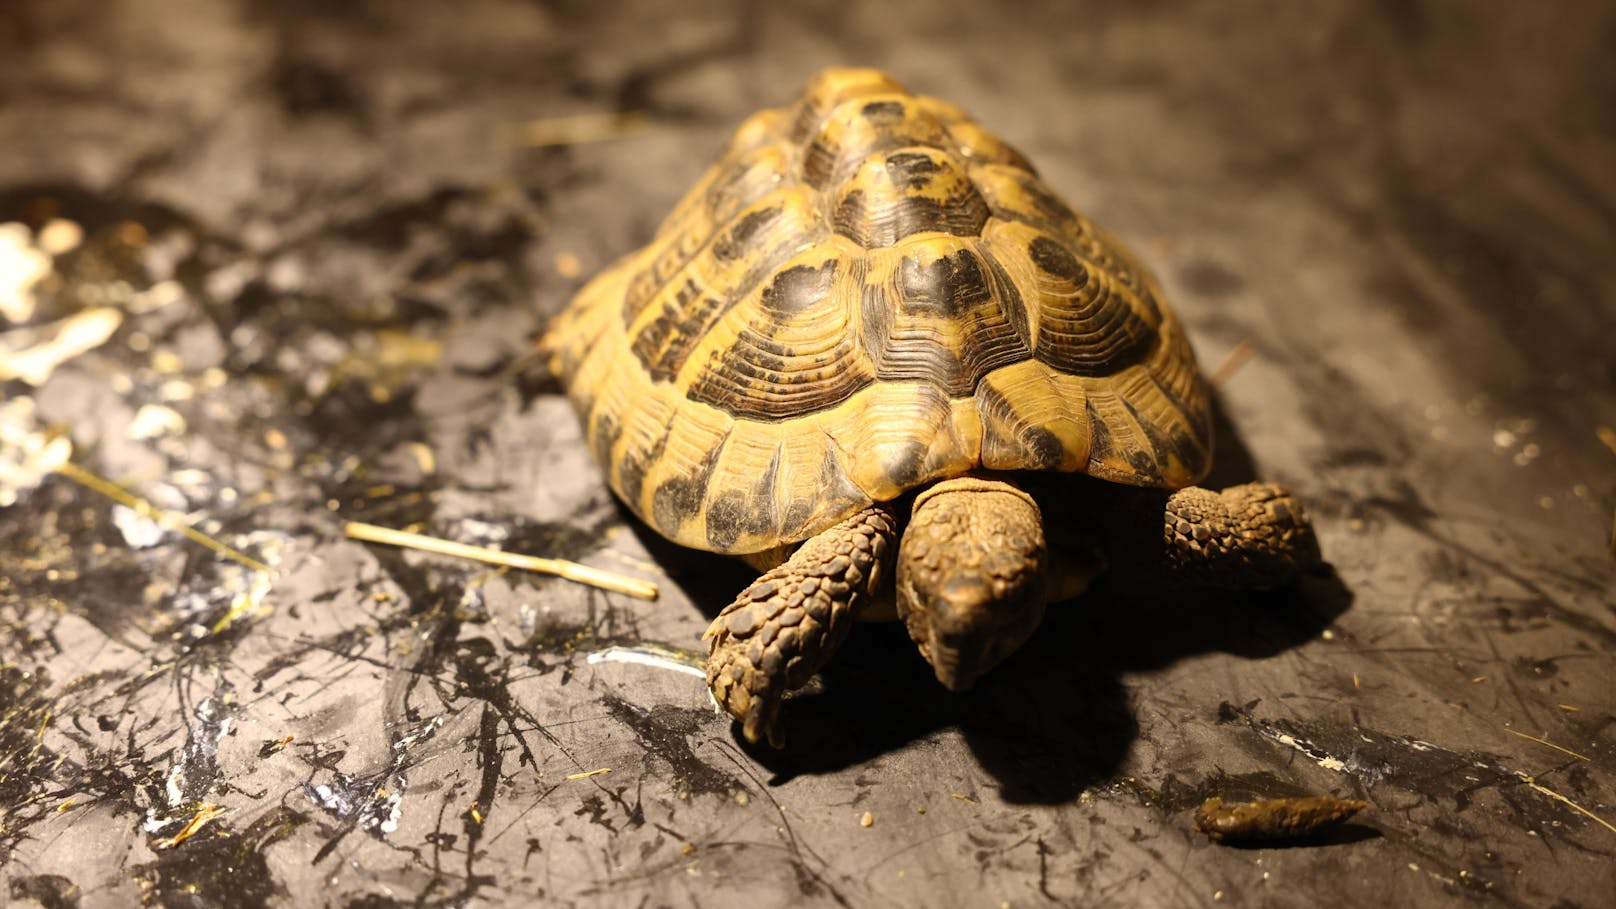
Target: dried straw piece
(172, 521)
(578, 129)
(572, 571)
(1231, 364)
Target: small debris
(572, 571)
(272, 746)
(154, 420)
(206, 812)
(588, 773)
(424, 459)
(964, 798)
(568, 265)
(59, 236)
(132, 233)
(868, 820)
(687, 849)
(1608, 436)
(1273, 820)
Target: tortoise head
(971, 583)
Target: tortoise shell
(866, 293)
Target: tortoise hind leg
(784, 627)
(1253, 536)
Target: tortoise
(872, 353)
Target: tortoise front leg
(784, 627)
(1253, 536)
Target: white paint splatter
(22, 266)
(28, 453)
(648, 656)
(32, 354)
(153, 420)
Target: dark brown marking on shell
(761, 377)
(907, 464)
(656, 273)
(733, 243)
(1144, 465)
(684, 235)
(907, 192)
(798, 288)
(757, 380)
(631, 468)
(820, 98)
(835, 486)
(878, 110)
(1047, 211)
(848, 137)
(1101, 442)
(765, 239)
(1166, 440)
(901, 324)
(687, 232)
(603, 435)
(665, 343)
(1085, 328)
(949, 287)
(742, 183)
(1052, 258)
(1031, 448)
(751, 512)
(1148, 464)
(679, 498)
(1051, 215)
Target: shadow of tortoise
(1053, 719)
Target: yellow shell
(866, 293)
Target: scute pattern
(866, 293)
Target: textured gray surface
(1407, 210)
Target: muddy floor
(274, 267)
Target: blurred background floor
(301, 249)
